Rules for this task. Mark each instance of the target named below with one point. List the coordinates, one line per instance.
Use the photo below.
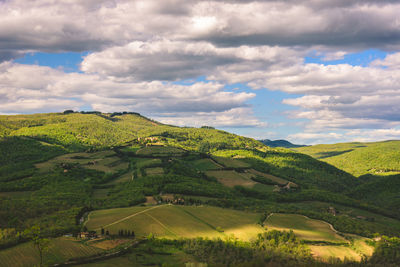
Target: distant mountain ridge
(279, 143)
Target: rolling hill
(70, 172)
(378, 158)
(279, 143)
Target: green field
(178, 221)
(100, 193)
(269, 177)
(123, 178)
(315, 230)
(105, 161)
(369, 217)
(231, 178)
(155, 171)
(341, 252)
(382, 158)
(149, 255)
(303, 227)
(231, 163)
(60, 250)
(205, 165)
(263, 188)
(146, 162)
(160, 151)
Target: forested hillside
(115, 174)
(380, 158)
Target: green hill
(59, 170)
(381, 158)
(77, 132)
(279, 143)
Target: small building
(332, 211)
(87, 235)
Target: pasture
(60, 250)
(303, 227)
(106, 161)
(231, 163)
(146, 162)
(231, 178)
(149, 255)
(154, 171)
(341, 252)
(123, 178)
(205, 165)
(160, 151)
(270, 177)
(178, 221)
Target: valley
(171, 186)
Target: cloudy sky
(310, 71)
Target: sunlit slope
(178, 221)
(381, 158)
(78, 131)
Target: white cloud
(74, 25)
(237, 117)
(173, 60)
(139, 47)
(30, 88)
(364, 135)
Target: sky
(315, 71)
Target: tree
(102, 231)
(39, 242)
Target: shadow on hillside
(322, 155)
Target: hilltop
(118, 173)
(279, 143)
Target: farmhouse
(87, 235)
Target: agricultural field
(270, 177)
(263, 188)
(105, 161)
(355, 251)
(205, 165)
(154, 171)
(231, 163)
(146, 162)
(326, 252)
(231, 178)
(357, 214)
(100, 193)
(303, 227)
(178, 221)
(315, 230)
(126, 177)
(60, 250)
(160, 151)
(150, 255)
